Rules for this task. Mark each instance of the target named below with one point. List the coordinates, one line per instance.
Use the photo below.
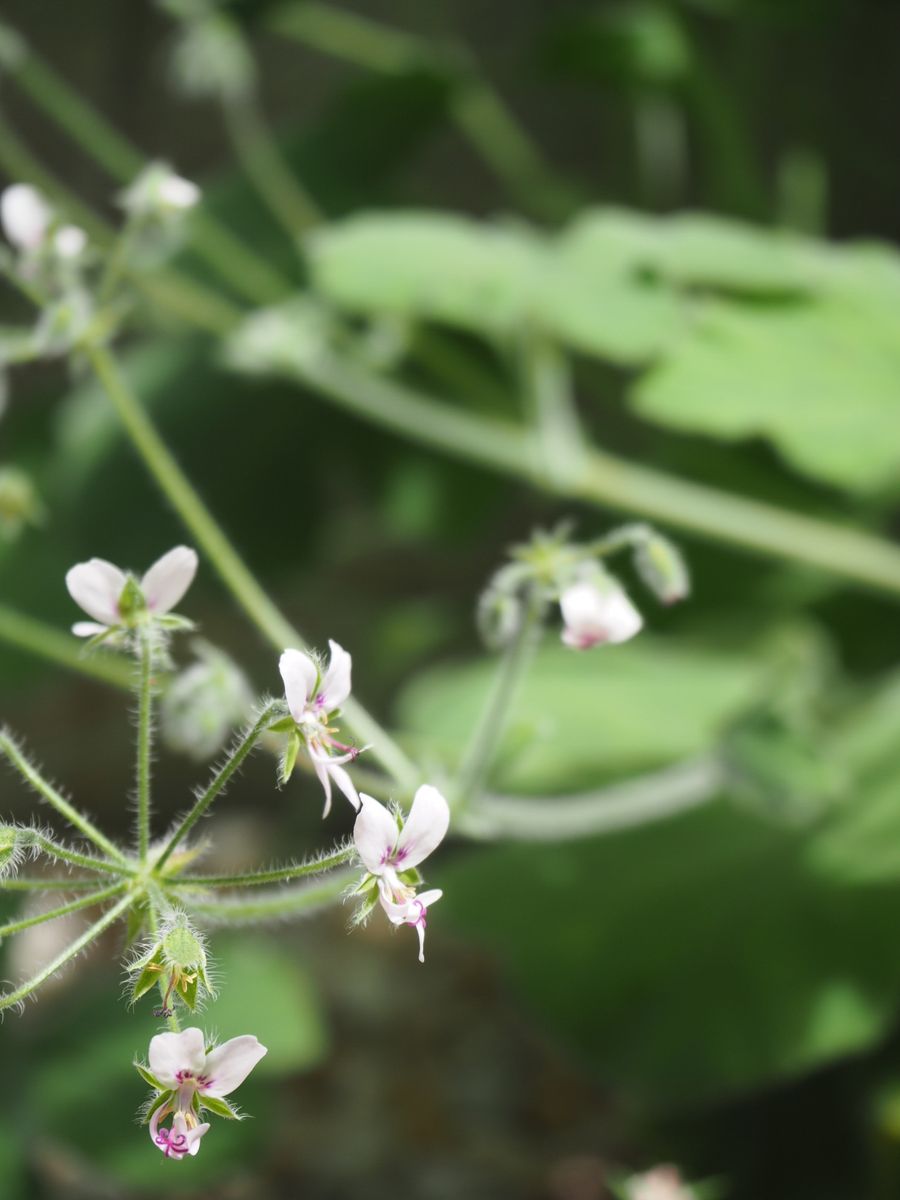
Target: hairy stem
(231, 568)
(144, 689)
(638, 801)
(60, 853)
(22, 884)
(290, 902)
(318, 866)
(49, 793)
(64, 909)
(220, 781)
(10, 999)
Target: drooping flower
(109, 595)
(597, 611)
(314, 699)
(391, 851)
(190, 1078)
(158, 192)
(26, 216)
(661, 1183)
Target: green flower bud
(205, 703)
(19, 503)
(10, 850)
(662, 568)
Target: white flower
(597, 612)
(98, 587)
(26, 216)
(662, 1183)
(69, 241)
(313, 699)
(177, 192)
(185, 1074)
(158, 192)
(388, 849)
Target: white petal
(594, 614)
(25, 215)
(69, 241)
(344, 782)
(319, 761)
(426, 899)
(425, 828)
(300, 675)
(96, 587)
(375, 834)
(88, 628)
(229, 1064)
(335, 686)
(169, 578)
(174, 1052)
(194, 1135)
(177, 192)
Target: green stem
(64, 909)
(36, 637)
(487, 736)
(220, 780)
(607, 481)
(11, 999)
(291, 902)
(319, 866)
(144, 739)
(21, 884)
(231, 568)
(49, 793)
(547, 386)
(58, 852)
(638, 801)
(260, 157)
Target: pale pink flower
(595, 612)
(97, 586)
(661, 1183)
(388, 849)
(313, 698)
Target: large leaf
(582, 716)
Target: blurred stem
(35, 637)
(64, 909)
(249, 274)
(21, 884)
(638, 801)
(262, 162)
(10, 999)
(476, 108)
(552, 414)
(319, 866)
(607, 481)
(487, 736)
(144, 691)
(76, 819)
(290, 902)
(231, 568)
(220, 780)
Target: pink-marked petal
(169, 578)
(375, 834)
(88, 628)
(424, 829)
(594, 614)
(335, 686)
(300, 674)
(25, 216)
(96, 587)
(229, 1064)
(173, 1052)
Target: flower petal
(424, 829)
(25, 216)
(300, 674)
(88, 628)
(335, 686)
(344, 782)
(96, 587)
(229, 1064)
(173, 1052)
(169, 578)
(595, 614)
(375, 834)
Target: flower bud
(10, 850)
(19, 503)
(177, 960)
(211, 59)
(159, 193)
(205, 703)
(662, 568)
(499, 618)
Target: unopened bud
(176, 963)
(159, 192)
(10, 850)
(212, 59)
(499, 618)
(205, 703)
(662, 568)
(19, 503)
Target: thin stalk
(552, 414)
(144, 689)
(219, 781)
(297, 902)
(36, 840)
(260, 157)
(65, 956)
(51, 914)
(608, 481)
(49, 793)
(491, 726)
(231, 568)
(36, 637)
(319, 866)
(638, 801)
(249, 274)
(22, 884)
(163, 985)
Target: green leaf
(582, 716)
(289, 757)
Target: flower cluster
(32, 227)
